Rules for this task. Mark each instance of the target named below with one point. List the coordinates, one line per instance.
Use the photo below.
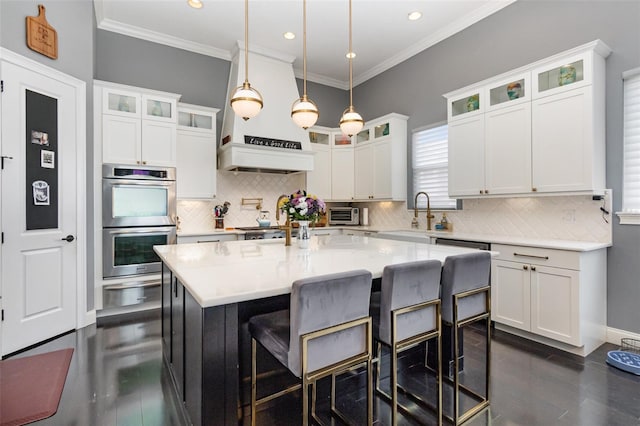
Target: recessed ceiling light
(351, 55)
(196, 4)
(289, 35)
(414, 16)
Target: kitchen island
(210, 290)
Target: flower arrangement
(302, 206)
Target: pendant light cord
(304, 47)
(350, 62)
(246, 41)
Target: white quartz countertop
(219, 273)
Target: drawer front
(538, 256)
(119, 295)
(206, 238)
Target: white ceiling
(382, 34)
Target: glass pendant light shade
(304, 112)
(246, 101)
(351, 122)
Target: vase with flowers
(302, 208)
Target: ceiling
(383, 36)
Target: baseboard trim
(615, 335)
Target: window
(430, 167)
(631, 172)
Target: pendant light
(246, 101)
(351, 122)
(304, 111)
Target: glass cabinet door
(510, 91)
(319, 138)
(381, 130)
(118, 102)
(466, 105)
(363, 136)
(562, 75)
(341, 140)
(158, 108)
(194, 120)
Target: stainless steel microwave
(344, 216)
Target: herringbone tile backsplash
(576, 218)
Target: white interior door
(39, 196)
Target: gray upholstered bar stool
(465, 297)
(326, 331)
(408, 313)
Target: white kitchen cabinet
(319, 179)
(206, 238)
(553, 294)
(358, 232)
(380, 154)
(324, 231)
(466, 156)
(507, 153)
(542, 128)
(342, 174)
(196, 152)
(138, 125)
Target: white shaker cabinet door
(158, 143)
(319, 179)
(562, 144)
(555, 304)
(508, 150)
(510, 294)
(466, 156)
(196, 165)
(120, 139)
(364, 170)
(342, 177)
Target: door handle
(68, 238)
(5, 157)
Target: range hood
(270, 142)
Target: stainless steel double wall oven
(138, 212)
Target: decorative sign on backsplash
(274, 143)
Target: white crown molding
(451, 29)
(321, 79)
(156, 37)
(264, 51)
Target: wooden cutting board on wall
(42, 37)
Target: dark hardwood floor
(117, 378)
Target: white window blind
(430, 167)
(631, 176)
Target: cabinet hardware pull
(481, 191)
(486, 191)
(531, 255)
(533, 268)
(534, 189)
(525, 267)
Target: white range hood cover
(272, 75)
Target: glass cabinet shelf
(508, 92)
(561, 76)
(122, 103)
(158, 108)
(200, 121)
(319, 138)
(362, 136)
(467, 104)
(381, 130)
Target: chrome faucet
(287, 225)
(414, 221)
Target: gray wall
(521, 33)
(331, 102)
(74, 22)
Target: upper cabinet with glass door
(319, 137)
(509, 91)
(159, 108)
(196, 118)
(466, 104)
(340, 140)
(121, 102)
(572, 71)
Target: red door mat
(30, 387)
